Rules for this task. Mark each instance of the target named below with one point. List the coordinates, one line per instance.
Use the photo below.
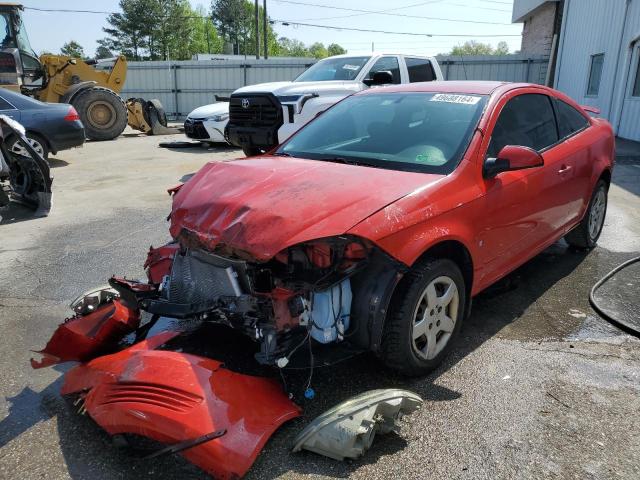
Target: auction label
(452, 98)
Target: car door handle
(564, 168)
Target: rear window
(570, 120)
(420, 70)
(411, 131)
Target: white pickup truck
(264, 115)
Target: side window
(525, 120)
(570, 120)
(4, 105)
(420, 70)
(387, 64)
(595, 74)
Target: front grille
(195, 129)
(259, 110)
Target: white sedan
(207, 123)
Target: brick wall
(537, 32)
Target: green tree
(129, 31)
(335, 49)
(290, 47)
(501, 49)
(235, 20)
(471, 47)
(318, 50)
(72, 49)
(103, 51)
(204, 37)
(232, 18)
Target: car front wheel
(587, 232)
(425, 318)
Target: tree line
(173, 30)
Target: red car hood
(262, 205)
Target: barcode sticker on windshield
(350, 67)
(451, 98)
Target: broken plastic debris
(348, 429)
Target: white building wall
(591, 27)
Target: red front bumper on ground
(172, 397)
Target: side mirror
(383, 77)
(512, 157)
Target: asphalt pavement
(537, 386)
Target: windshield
(412, 131)
(342, 68)
(23, 40)
(5, 31)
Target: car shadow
(56, 162)
(496, 311)
(193, 146)
(16, 212)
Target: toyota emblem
(245, 103)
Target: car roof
(450, 86)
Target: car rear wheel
(38, 143)
(425, 317)
(586, 233)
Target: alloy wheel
(435, 317)
(597, 212)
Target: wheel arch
(40, 135)
(76, 88)
(606, 176)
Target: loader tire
(102, 111)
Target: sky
(488, 21)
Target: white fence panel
(185, 85)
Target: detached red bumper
(172, 397)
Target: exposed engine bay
(302, 292)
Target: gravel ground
(537, 385)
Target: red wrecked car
(374, 225)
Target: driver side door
(516, 219)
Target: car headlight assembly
(218, 118)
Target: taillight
(72, 115)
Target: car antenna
(464, 69)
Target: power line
(373, 12)
(330, 27)
(405, 15)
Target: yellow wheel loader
(62, 79)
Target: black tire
(399, 351)
(102, 111)
(252, 151)
(44, 145)
(582, 236)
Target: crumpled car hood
(264, 204)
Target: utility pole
(257, 28)
(265, 26)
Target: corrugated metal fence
(507, 68)
(184, 85)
